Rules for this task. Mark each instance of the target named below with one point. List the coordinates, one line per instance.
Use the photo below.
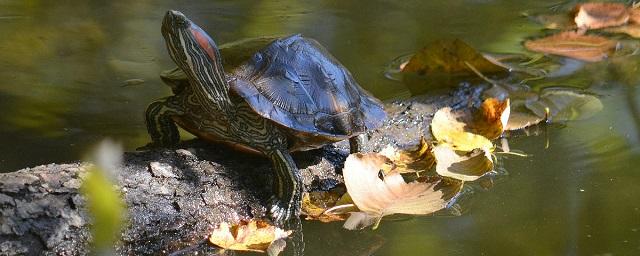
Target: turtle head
(187, 43)
(196, 54)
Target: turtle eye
(257, 57)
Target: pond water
(63, 67)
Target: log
(176, 196)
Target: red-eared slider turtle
(290, 95)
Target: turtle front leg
(356, 143)
(285, 203)
(160, 125)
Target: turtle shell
(296, 83)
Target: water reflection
(62, 64)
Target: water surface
(63, 65)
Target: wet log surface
(176, 196)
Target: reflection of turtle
(290, 95)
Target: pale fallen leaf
(574, 45)
(601, 15)
(378, 195)
(565, 105)
(254, 235)
(521, 117)
(467, 166)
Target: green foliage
(105, 206)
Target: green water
(63, 64)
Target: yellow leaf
(466, 167)
(451, 127)
(254, 235)
(327, 206)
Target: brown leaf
(443, 64)
(466, 167)
(449, 56)
(254, 236)
(412, 159)
(379, 195)
(631, 30)
(574, 45)
(634, 15)
(315, 205)
(492, 118)
(601, 15)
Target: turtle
(289, 95)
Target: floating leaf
(521, 117)
(601, 15)
(449, 56)
(413, 159)
(380, 196)
(444, 63)
(465, 130)
(254, 236)
(574, 45)
(564, 105)
(492, 118)
(634, 15)
(466, 167)
(631, 30)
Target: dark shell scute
(295, 82)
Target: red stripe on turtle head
(204, 41)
